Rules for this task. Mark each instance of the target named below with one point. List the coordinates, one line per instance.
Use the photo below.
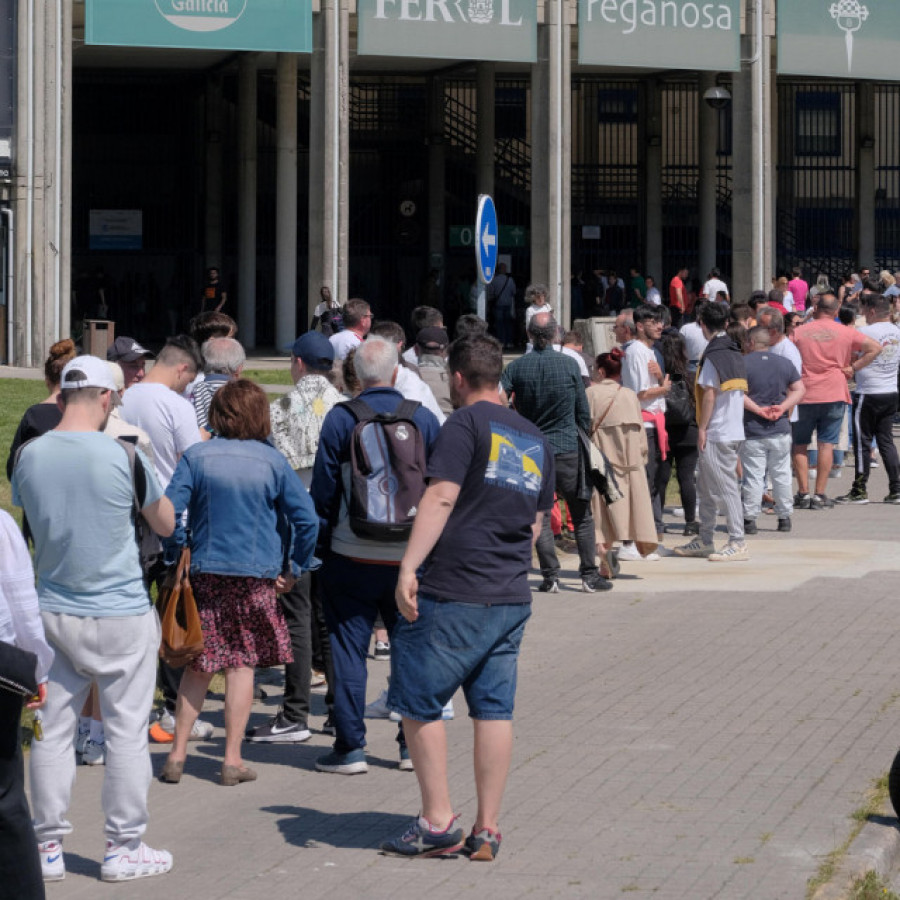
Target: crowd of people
(388, 504)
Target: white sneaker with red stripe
(125, 862)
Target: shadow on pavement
(304, 827)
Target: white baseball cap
(87, 372)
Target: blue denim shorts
(453, 645)
(823, 418)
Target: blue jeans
(451, 645)
(353, 594)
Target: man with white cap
(76, 486)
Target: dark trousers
(353, 593)
(580, 512)
(296, 605)
(873, 417)
(657, 478)
(685, 459)
(321, 645)
(20, 866)
(168, 678)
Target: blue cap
(314, 349)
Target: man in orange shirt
(831, 354)
(678, 297)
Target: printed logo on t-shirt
(516, 461)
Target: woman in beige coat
(617, 428)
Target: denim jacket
(248, 512)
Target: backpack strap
(407, 409)
(360, 410)
(19, 450)
(138, 475)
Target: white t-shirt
(694, 341)
(880, 376)
(713, 286)
(319, 311)
(343, 342)
(727, 422)
(531, 311)
(76, 489)
(636, 374)
(653, 296)
(168, 419)
(789, 351)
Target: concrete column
(559, 159)
(653, 212)
(760, 17)
(329, 160)
(437, 238)
(286, 202)
(742, 266)
(247, 167)
(865, 174)
(708, 138)
(485, 104)
(213, 218)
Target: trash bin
(98, 335)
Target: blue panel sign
(486, 240)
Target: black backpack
(387, 462)
(680, 409)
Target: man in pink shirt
(799, 289)
(831, 354)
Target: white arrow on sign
(487, 239)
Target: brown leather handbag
(182, 635)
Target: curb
(876, 848)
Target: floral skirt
(243, 625)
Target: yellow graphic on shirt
(516, 460)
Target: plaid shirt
(548, 391)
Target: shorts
(452, 645)
(823, 418)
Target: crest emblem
(849, 16)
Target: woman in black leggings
(681, 425)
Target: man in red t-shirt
(831, 354)
(678, 297)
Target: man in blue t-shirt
(774, 388)
(464, 597)
(76, 487)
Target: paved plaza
(701, 731)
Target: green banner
(660, 34)
(500, 30)
(273, 25)
(839, 38)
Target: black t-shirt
(768, 378)
(38, 420)
(504, 468)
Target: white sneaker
(124, 862)
(94, 753)
(695, 548)
(200, 731)
(731, 552)
(629, 553)
(53, 865)
(447, 713)
(378, 708)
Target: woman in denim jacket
(253, 529)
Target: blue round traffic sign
(487, 238)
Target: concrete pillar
(485, 103)
(760, 16)
(865, 174)
(213, 217)
(329, 155)
(708, 138)
(286, 201)
(742, 265)
(247, 167)
(437, 238)
(540, 141)
(560, 159)
(653, 212)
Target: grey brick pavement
(701, 731)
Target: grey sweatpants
(120, 654)
(718, 485)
